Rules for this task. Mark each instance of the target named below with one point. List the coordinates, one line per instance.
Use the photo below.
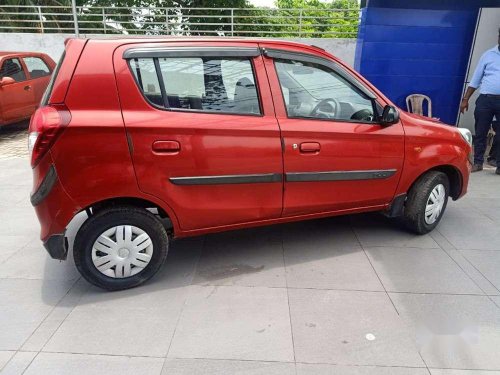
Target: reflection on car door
(205, 138)
(17, 99)
(336, 156)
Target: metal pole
(300, 24)
(75, 19)
(104, 20)
(41, 18)
(166, 21)
(232, 22)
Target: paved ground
(351, 295)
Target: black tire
(414, 211)
(106, 219)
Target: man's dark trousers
(487, 107)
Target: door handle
(310, 147)
(27, 88)
(167, 147)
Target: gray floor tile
(33, 262)
(496, 300)
(52, 322)
(466, 233)
(420, 271)
(18, 363)
(349, 328)
(376, 230)
(5, 356)
(482, 282)
(486, 262)
(251, 257)
(136, 322)
(15, 172)
(225, 367)
(326, 266)
(80, 364)
(11, 245)
(334, 233)
(310, 369)
(234, 322)
(180, 266)
(462, 372)
(25, 304)
(19, 221)
(460, 332)
(15, 196)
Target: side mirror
(7, 81)
(390, 115)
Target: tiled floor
(349, 295)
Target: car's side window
(12, 68)
(208, 84)
(145, 73)
(315, 91)
(36, 67)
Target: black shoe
(492, 162)
(497, 171)
(477, 168)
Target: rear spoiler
(72, 51)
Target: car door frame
(24, 112)
(301, 183)
(183, 187)
(38, 84)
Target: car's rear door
(336, 155)
(17, 99)
(203, 131)
(39, 76)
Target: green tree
(314, 18)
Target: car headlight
(466, 134)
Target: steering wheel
(319, 109)
(363, 115)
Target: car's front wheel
(120, 248)
(426, 202)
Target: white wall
(53, 44)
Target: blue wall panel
(420, 46)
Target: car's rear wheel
(426, 202)
(120, 248)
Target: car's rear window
(48, 90)
(207, 84)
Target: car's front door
(336, 156)
(203, 130)
(39, 76)
(16, 98)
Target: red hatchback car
(24, 76)
(164, 138)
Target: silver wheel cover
(435, 204)
(122, 251)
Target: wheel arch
(166, 214)
(454, 177)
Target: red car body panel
(19, 100)
(109, 149)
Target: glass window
(36, 67)
(12, 68)
(204, 84)
(315, 91)
(145, 74)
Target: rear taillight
(46, 125)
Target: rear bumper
(57, 246)
(53, 206)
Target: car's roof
(13, 53)
(148, 39)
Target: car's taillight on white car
(46, 125)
